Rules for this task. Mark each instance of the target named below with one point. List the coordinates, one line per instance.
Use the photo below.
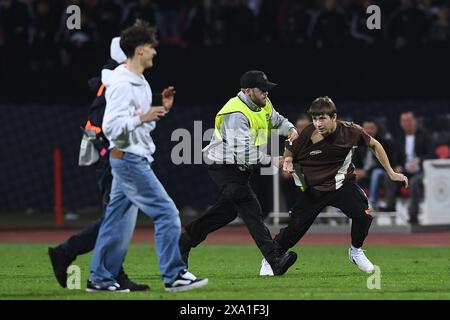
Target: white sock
(355, 249)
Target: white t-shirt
(410, 145)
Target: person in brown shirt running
(321, 162)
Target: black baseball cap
(256, 79)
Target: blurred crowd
(41, 24)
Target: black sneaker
(126, 283)
(185, 281)
(60, 262)
(185, 247)
(92, 287)
(282, 264)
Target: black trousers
(235, 196)
(84, 241)
(350, 199)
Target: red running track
(239, 234)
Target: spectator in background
(14, 23)
(238, 23)
(168, 21)
(327, 23)
(412, 147)
(440, 29)
(329, 29)
(107, 17)
(142, 9)
(408, 26)
(196, 26)
(430, 8)
(295, 25)
(358, 29)
(268, 30)
(369, 172)
(14, 53)
(43, 31)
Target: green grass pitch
(321, 272)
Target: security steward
(238, 146)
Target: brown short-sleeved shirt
(327, 164)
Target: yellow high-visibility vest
(259, 120)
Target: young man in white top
(127, 123)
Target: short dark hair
(371, 120)
(321, 106)
(138, 34)
(408, 111)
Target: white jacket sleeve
(119, 118)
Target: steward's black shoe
(126, 283)
(282, 263)
(60, 262)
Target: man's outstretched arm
(381, 155)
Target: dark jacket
(423, 148)
(360, 153)
(98, 105)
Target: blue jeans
(375, 177)
(135, 185)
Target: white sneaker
(358, 257)
(266, 269)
